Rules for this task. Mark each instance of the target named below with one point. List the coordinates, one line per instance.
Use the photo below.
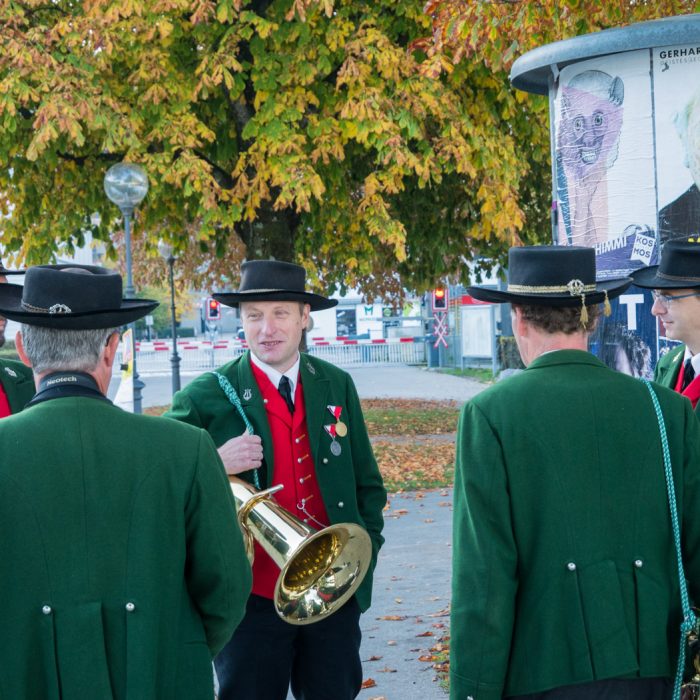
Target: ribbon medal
(335, 445)
(340, 427)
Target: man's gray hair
(56, 349)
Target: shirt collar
(694, 360)
(275, 375)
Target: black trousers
(613, 689)
(266, 654)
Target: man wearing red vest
(310, 437)
(676, 287)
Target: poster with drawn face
(676, 73)
(604, 160)
(627, 172)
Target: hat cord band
(55, 309)
(676, 278)
(575, 288)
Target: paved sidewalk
(410, 607)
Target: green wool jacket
(564, 568)
(668, 367)
(18, 382)
(124, 570)
(351, 485)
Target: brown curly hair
(560, 319)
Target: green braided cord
(689, 619)
(232, 396)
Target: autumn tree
(309, 130)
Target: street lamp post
(126, 184)
(166, 252)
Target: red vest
(4, 404)
(293, 468)
(692, 391)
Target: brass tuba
(320, 570)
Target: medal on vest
(247, 394)
(336, 449)
(340, 428)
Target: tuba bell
(320, 570)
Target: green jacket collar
(565, 357)
(18, 385)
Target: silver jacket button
(341, 504)
(46, 609)
(130, 607)
(571, 566)
(325, 460)
(638, 563)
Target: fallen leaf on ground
(369, 683)
(391, 643)
(411, 466)
(426, 657)
(398, 600)
(374, 658)
(441, 613)
(426, 634)
(392, 618)
(386, 669)
(428, 520)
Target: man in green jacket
(124, 570)
(309, 436)
(676, 288)
(565, 581)
(16, 380)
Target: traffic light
(213, 309)
(440, 299)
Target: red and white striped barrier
(225, 344)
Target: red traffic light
(213, 310)
(440, 297)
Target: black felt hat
(552, 276)
(679, 267)
(273, 280)
(71, 297)
(4, 272)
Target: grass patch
(8, 351)
(441, 664)
(404, 417)
(485, 376)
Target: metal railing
(155, 358)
